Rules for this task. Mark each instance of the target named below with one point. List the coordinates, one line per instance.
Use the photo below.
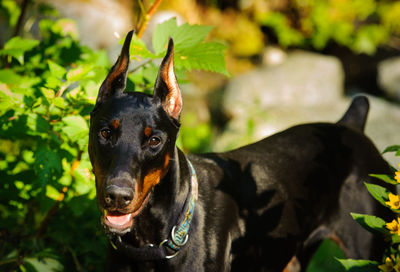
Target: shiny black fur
(259, 205)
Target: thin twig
(61, 91)
(7, 261)
(144, 63)
(60, 198)
(78, 266)
(18, 27)
(142, 9)
(51, 213)
(149, 14)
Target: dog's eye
(106, 133)
(154, 141)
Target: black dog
(251, 209)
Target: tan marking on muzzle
(150, 180)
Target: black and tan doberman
(262, 207)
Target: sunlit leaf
(43, 264)
(17, 46)
(371, 223)
(359, 265)
(204, 56)
(139, 51)
(56, 70)
(378, 192)
(384, 178)
(162, 33)
(37, 123)
(191, 50)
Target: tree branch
(56, 205)
(147, 17)
(18, 27)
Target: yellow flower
(394, 201)
(397, 177)
(393, 226)
(387, 266)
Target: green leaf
(60, 102)
(43, 265)
(378, 192)
(37, 124)
(138, 50)
(16, 47)
(76, 128)
(9, 99)
(384, 178)
(359, 265)
(79, 72)
(395, 238)
(204, 56)
(48, 93)
(190, 35)
(393, 148)
(325, 258)
(9, 77)
(47, 165)
(371, 223)
(184, 36)
(161, 34)
(191, 51)
(56, 70)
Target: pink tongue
(119, 219)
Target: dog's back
(290, 191)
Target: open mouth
(121, 223)
(118, 222)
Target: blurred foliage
(249, 25)
(49, 220)
(360, 25)
(387, 231)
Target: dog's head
(132, 137)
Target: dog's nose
(118, 197)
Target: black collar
(178, 236)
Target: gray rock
(306, 87)
(101, 24)
(389, 77)
(303, 78)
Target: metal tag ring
(175, 242)
(168, 256)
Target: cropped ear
(166, 88)
(115, 81)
